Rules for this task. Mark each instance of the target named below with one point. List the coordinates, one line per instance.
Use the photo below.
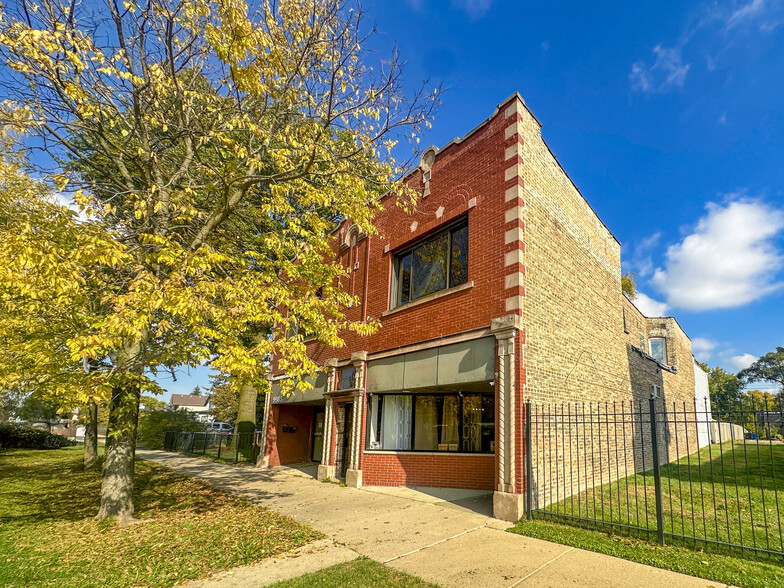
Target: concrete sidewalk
(446, 538)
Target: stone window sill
(429, 298)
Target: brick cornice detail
(431, 225)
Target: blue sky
(669, 116)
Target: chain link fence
(229, 447)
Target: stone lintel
(344, 392)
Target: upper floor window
(346, 380)
(657, 347)
(437, 263)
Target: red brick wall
(461, 172)
(472, 170)
(441, 471)
(285, 448)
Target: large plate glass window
(463, 423)
(437, 263)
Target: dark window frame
(400, 257)
(460, 411)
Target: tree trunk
(262, 459)
(245, 424)
(91, 437)
(117, 483)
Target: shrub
(24, 437)
(153, 425)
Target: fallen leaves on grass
(190, 529)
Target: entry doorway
(348, 414)
(317, 443)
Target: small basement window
(437, 263)
(657, 348)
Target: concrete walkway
(446, 538)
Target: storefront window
(432, 422)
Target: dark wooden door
(348, 422)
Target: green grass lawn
(733, 493)
(720, 568)
(360, 573)
(48, 536)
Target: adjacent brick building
(502, 287)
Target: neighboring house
(198, 406)
(771, 422)
(503, 287)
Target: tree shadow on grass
(158, 490)
(46, 486)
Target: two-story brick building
(503, 286)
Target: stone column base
(354, 478)
(326, 471)
(508, 507)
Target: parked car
(215, 427)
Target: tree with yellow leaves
(50, 284)
(218, 143)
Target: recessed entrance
(318, 434)
(345, 421)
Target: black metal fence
(231, 447)
(664, 472)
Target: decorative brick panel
(443, 471)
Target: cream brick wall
(576, 347)
(572, 306)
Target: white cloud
(729, 260)
(702, 348)
(474, 8)
(66, 199)
(746, 13)
(723, 119)
(641, 262)
(741, 362)
(648, 306)
(720, 22)
(668, 71)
